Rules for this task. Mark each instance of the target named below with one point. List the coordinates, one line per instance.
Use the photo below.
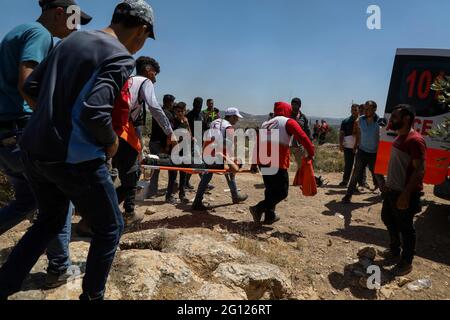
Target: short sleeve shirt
(27, 42)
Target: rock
(330, 243)
(340, 216)
(402, 281)
(240, 211)
(145, 275)
(203, 252)
(367, 252)
(156, 239)
(232, 237)
(255, 279)
(213, 291)
(28, 295)
(150, 211)
(386, 292)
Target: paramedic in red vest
(138, 98)
(277, 182)
(225, 126)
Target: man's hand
(403, 201)
(112, 150)
(172, 140)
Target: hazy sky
(251, 53)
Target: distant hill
(251, 120)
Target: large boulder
(257, 280)
(214, 291)
(145, 275)
(203, 252)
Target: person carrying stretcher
(277, 132)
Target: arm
(37, 44)
(99, 102)
(25, 70)
(357, 133)
(155, 109)
(294, 129)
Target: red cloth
(121, 119)
(306, 179)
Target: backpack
(138, 112)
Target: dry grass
(329, 159)
(6, 192)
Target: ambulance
(415, 70)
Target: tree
(442, 86)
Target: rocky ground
(312, 253)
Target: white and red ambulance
(415, 70)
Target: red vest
(122, 125)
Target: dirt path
(325, 234)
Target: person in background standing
(210, 114)
(195, 116)
(324, 130)
(158, 140)
(368, 138)
(347, 142)
(296, 148)
(316, 131)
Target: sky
(252, 53)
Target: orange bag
(306, 179)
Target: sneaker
(256, 214)
(189, 187)
(199, 206)
(365, 186)
(347, 199)
(343, 184)
(171, 200)
(271, 219)
(54, 280)
(240, 198)
(402, 269)
(184, 200)
(132, 218)
(389, 254)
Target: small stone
(340, 216)
(334, 292)
(346, 241)
(367, 252)
(402, 281)
(387, 293)
(330, 243)
(150, 211)
(240, 211)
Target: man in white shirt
(347, 141)
(141, 100)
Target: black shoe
(171, 200)
(184, 200)
(86, 297)
(199, 206)
(256, 214)
(133, 218)
(365, 186)
(402, 269)
(390, 254)
(343, 184)
(271, 218)
(347, 199)
(240, 198)
(189, 187)
(210, 187)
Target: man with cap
(223, 128)
(69, 138)
(21, 51)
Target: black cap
(49, 4)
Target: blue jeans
(25, 204)
(90, 188)
(206, 179)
